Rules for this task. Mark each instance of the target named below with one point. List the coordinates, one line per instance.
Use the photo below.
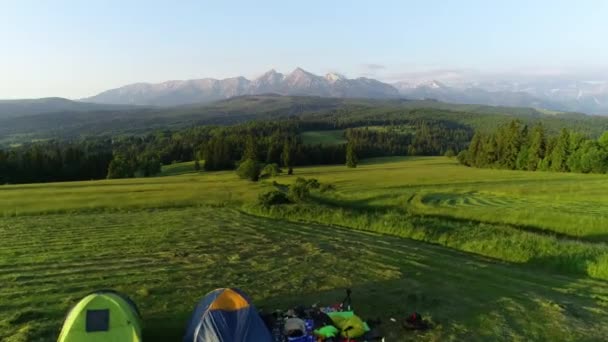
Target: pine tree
(251, 149)
(512, 141)
(490, 149)
(287, 156)
(475, 151)
(4, 176)
(217, 154)
(538, 145)
(603, 140)
(274, 152)
(411, 150)
(351, 155)
(522, 158)
(559, 155)
(209, 155)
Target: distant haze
(76, 49)
(298, 82)
(549, 92)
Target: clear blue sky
(78, 48)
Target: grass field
(485, 254)
(401, 129)
(331, 137)
(178, 169)
(565, 203)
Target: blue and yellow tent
(226, 315)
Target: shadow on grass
(389, 160)
(366, 206)
(464, 295)
(467, 296)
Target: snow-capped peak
(433, 84)
(333, 77)
(299, 72)
(270, 76)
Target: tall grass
(492, 240)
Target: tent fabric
(226, 315)
(229, 300)
(100, 317)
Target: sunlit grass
(126, 194)
(167, 259)
(168, 240)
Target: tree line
(421, 139)
(223, 148)
(516, 146)
(55, 162)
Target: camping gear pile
(223, 315)
(320, 324)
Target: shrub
(298, 191)
(271, 170)
(301, 188)
(463, 158)
(449, 153)
(312, 183)
(121, 167)
(249, 169)
(327, 187)
(273, 198)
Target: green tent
(102, 316)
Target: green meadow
(328, 137)
(486, 255)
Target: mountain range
(297, 83)
(552, 94)
(555, 94)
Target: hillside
(18, 108)
(485, 255)
(70, 124)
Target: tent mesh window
(98, 320)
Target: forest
(519, 138)
(516, 146)
(222, 148)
